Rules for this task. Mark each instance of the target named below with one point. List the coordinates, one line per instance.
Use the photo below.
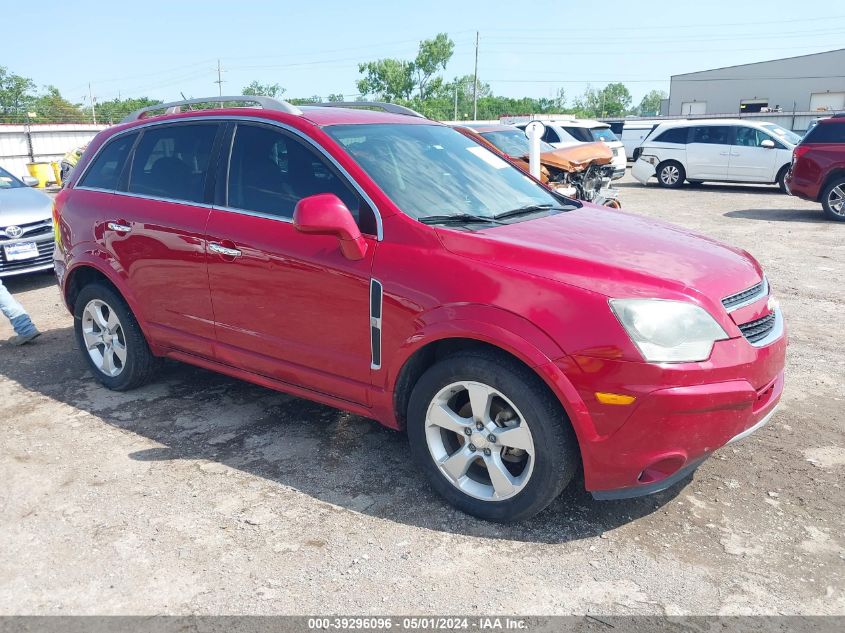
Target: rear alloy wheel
(111, 340)
(490, 436)
(833, 200)
(670, 174)
(781, 179)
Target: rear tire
(782, 178)
(833, 200)
(670, 174)
(111, 340)
(490, 437)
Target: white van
(634, 133)
(566, 132)
(723, 150)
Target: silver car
(26, 226)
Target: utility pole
(475, 83)
(456, 100)
(219, 81)
(91, 99)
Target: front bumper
(681, 414)
(43, 261)
(642, 171)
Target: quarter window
(171, 161)
(105, 171)
(550, 136)
(711, 134)
(673, 135)
(270, 171)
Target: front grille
(31, 230)
(746, 295)
(759, 329)
(45, 257)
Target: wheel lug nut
(491, 438)
(479, 425)
(472, 448)
(467, 431)
(487, 452)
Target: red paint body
(292, 313)
(815, 164)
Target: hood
(613, 253)
(578, 157)
(23, 205)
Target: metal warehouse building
(805, 83)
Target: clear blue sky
(158, 48)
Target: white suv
(569, 132)
(726, 150)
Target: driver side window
(270, 171)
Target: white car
(724, 150)
(569, 132)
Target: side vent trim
(376, 299)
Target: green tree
(335, 96)
(115, 110)
(16, 96)
(432, 57)
(612, 100)
(52, 107)
(257, 89)
(650, 104)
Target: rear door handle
(119, 228)
(214, 247)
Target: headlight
(651, 160)
(668, 331)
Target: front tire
(111, 340)
(490, 437)
(670, 174)
(781, 179)
(833, 200)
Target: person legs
(14, 311)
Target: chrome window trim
(774, 334)
(764, 292)
(250, 119)
(254, 214)
(375, 322)
(143, 196)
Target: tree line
(417, 83)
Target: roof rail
(266, 103)
(393, 108)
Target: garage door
(693, 107)
(827, 101)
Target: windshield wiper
(459, 218)
(531, 208)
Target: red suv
(817, 172)
(387, 265)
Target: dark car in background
(817, 172)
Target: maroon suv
(818, 167)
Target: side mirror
(325, 214)
(29, 181)
(768, 144)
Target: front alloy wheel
(480, 441)
(670, 175)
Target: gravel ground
(202, 494)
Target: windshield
(790, 137)
(433, 170)
(603, 134)
(513, 142)
(8, 181)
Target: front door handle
(119, 228)
(214, 247)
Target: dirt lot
(202, 494)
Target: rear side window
(616, 127)
(105, 171)
(579, 134)
(826, 133)
(270, 171)
(171, 161)
(550, 136)
(673, 135)
(711, 134)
